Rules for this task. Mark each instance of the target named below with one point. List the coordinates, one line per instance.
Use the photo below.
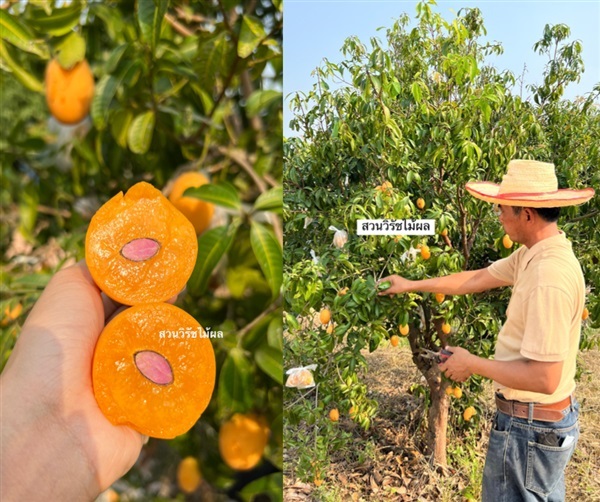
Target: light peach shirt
(543, 320)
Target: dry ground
(395, 469)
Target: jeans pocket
(546, 464)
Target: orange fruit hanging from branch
(242, 440)
(199, 212)
(69, 92)
(188, 475)
(325, 316)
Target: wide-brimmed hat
(529, 183)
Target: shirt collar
(556, 241)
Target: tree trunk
(437, 419)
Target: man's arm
(461, 283)
(528, 375)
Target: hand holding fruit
(457, 367)
(52, 428)
(397, 285)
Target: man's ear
(528, 214)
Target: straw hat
(528, 183)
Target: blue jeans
(520, 467)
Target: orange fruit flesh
(125, 393)
(139, 248)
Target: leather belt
(544, 412)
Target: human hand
(399, 285)
(457, 366)
(53, 433)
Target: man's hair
(549, 214)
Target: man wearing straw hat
(535, 429)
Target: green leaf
(239, 279)
(29, 199)
(106, 90)
(221, 194)
(213, 55)
(270, 360)
(103, 95)
(235, 383)
(113, 19)
(70, 51)
(140, 131)
(275, 332)
(252, 34)
(260, 100)
(150, 15)
(31, 281)
(59, 23)
(268, 253)
(272, 200)
(145, 15)
(159, 16)
(212, 246)
(19, 35)
(115, 57)
(416, 91)
(23, 76)
(271, 485)
(119, 125)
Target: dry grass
(393, 467)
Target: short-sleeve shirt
(543, 320)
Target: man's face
(510, 220)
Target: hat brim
(563, 197)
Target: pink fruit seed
(140, 249)
(154, 367)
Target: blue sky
(316, 29)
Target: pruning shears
(440, 357)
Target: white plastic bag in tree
(339, 238)
(301, 378)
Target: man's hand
(53, 431)
(399, 285)
(458, 366)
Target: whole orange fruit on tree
(325, 316)
(188, 475)
(69, 92)
(242, 440)
(394, 340)
(469, 413)
(334, 415)
(199, 212)
(585, 314)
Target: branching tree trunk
(437, 417)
